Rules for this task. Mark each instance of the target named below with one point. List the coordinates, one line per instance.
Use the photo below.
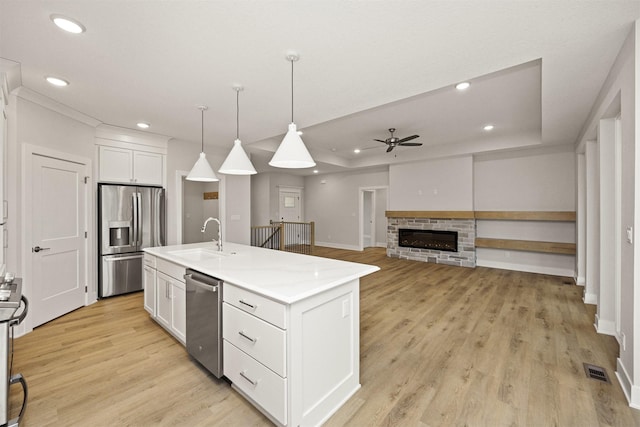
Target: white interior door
(290, 210)
(58, 250)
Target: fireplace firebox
(439, 240)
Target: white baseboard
(381, 244)
(590, 298)
(631, 392)
(580, 280)
(338, 246)
(526, 268)
(606, 327)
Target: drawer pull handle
(252, 382)
(251, 306)
(245, 336)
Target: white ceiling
(535, 67)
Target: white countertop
(283, 276)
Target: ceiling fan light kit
(393, 142)
(201, 170)
(292, 153)
(237, 162)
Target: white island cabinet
(290, 326)
(165, 295)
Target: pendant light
(202, 171)
(237, 162)
(292, 152)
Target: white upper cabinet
(130, 157)
(131, 166)
(148, 168)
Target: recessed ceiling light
(357, 150)
(57, 81)
(488, 127)
(463, 85)
(68, 24)
(315, 171)
(143, 125)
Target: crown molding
(44, 101)
(116, 133)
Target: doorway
(373, 222)
(200, 200)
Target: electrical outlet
(630, 235)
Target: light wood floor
(440, 345)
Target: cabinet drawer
(149, 260)
(174, 270)
(264, 308)
(259, 339)
(259, 383)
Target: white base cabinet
(297, 363)
(149, 275)
(165, 295)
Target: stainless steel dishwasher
(204, 320)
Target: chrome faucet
(204, 228)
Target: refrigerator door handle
(134, 207)
(139, 203)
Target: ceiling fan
(393, 142)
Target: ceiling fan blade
(410, 144)
(379, 140)
(390, 148)
(409, 138)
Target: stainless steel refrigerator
(130, 219)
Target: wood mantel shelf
(430, 214)
(527, 245)
(561, 216)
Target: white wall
(192, 212)
(623, 81)
(332, 201)
(436, 185)
(529, 180)
(260, 209)
(237, 208)
(32, 123)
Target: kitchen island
(290, 323)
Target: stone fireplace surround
(461, 221)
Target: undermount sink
(198, 254)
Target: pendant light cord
(202, 128)
(292, 90)
(238, 114)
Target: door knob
(38, 249)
